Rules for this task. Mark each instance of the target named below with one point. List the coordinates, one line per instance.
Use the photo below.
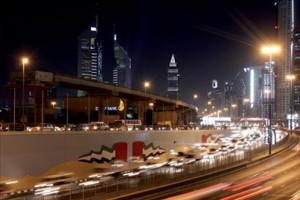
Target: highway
(281, 175)
(219, 177)
(277, 177)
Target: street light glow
(290, 77)
(25, 60)
(53, 103)
(147, 84)
(270, 49)
(246, 100)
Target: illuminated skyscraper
(122, 68)
(266, 92)
(284, 66)
(256, 80)
(89, 55)
(173, 79)
(296, 63)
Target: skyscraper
(256, 81)
(173, 79)
(284, 66)
(89, 55)
(296, 63)
(122, 68)
(267, 90)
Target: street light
(226, 111)
(24, 62)
(291, 78)
(246, 107)
(151, 106)
(195, 97)
(269, 50)
(209, 112)
(233, 112)
(146, 85)
(219, 111)
(196, 109)
(268, 93)
(53, 103)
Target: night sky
(210, 39)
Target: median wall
(24, 153)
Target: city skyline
(209, 41)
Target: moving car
(96, 126)
(15, 127)
(81, 127)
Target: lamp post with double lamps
(291, 78)
(270, 50)
(24, 62)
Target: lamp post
(146, 85)
(233, 106)
(225, 111)
(268, 93)
(195, 98)
(151, 106)
(24, 62)
(269, 50)
(246, 107)
(209, 112)
(219, 111)
(291, 78)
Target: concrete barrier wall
(24, 153)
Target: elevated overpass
(106, 89)
(101, 95)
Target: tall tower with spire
(122, 67)
(173, 79)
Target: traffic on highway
(219, 152)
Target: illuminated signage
(111, 108)
(121, 105)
